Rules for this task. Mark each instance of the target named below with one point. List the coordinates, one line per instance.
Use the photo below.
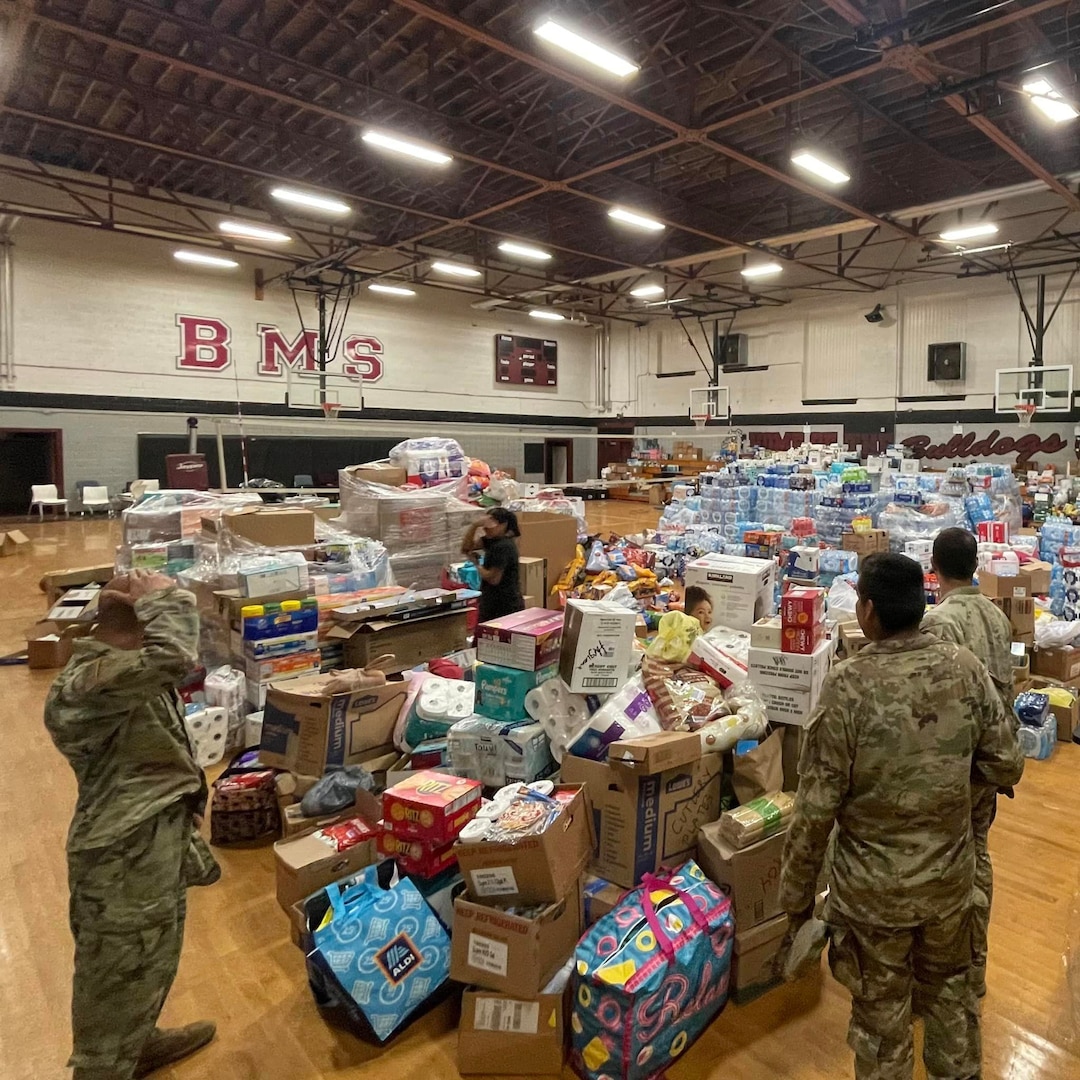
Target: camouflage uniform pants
(127, 918)
(983, 812)
(893, 974)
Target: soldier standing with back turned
(888, 759)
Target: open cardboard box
(50, 644)
(412, 642)
(55, 583)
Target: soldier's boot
(168, 1045)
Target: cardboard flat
(14, 542)
(553, 538)
(754, 952)
(533, 573)
(751, 876)
(412, 642)
(267, 526)
(55, 583)
(536, 869)
(305, 730)
(308, 863)
(644, 821)
(510, 954)
(497, 1032)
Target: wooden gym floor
(240, 969)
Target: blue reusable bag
(650, 976)
(379, 958)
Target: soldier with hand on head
(133, 846)
(888, 759)
(965, 617)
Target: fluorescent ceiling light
(587, 50)
(628, 217)
(820, 167)
(407, 147)
(309, 201)
(523, 251)
(391, 290)
(969, 232)
(643, 291)
(761, 270)
(254, 232)
(457, 270)
(202, 259)
(1048, 101)
(551, 316)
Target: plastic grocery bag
(380, 956)
(675, 637)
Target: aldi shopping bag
(380, 957)
(650, 976)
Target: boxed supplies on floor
(1001, 587)
(551, 537)
(305, 729)
(310, 862)
(741, 589)
(413, 857)
(790, 683)
(501, 691)
(1064, 704)
(645, 820)
(430, 807)
(528, 1035)
(753, 961)
(1037, 576)
(271, 526)
(598, 640)
(412, 642)
(1060, 664)
(536, 852)
(869, 542)
(13, 542)
(50, 644)
(750, 876)
(514, 950)
(527, 640)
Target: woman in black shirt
(500, 574)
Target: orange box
(431, 807)
(802, 607)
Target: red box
(414, 857)
(430, 806)
(802, 640)
(993, 532)
(802, 607)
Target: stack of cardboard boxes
(867, 542)
(1014, 595)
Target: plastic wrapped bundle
(758, 819)
(905, 523)
(430, 460)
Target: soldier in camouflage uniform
(965, 617)
(888, 760)
(133, 846)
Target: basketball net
(1024, 414)
(331, 409)
(701, 420)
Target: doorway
(558, 461)
(30, 456)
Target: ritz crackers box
(431, 807)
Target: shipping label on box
(750, 876)
(528, 640)
(431, 807)
(529, 1033)
(598, 641)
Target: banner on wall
(206, 345)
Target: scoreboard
(524, 361)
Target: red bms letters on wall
(204, 344)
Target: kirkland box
(529, 1033)
(598, 640)
(537, 869)
(643, 820)
(750, 876)
(741, 590)
(527, 640)
(514, 954)
(306, 730)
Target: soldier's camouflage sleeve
(824, 778)
(124, 677)
(998, 759)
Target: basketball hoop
(700, 420)
(1024, 414)
(331, 409)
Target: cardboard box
(998, 587)
(311, 862)
(50, 644)
(600, 897)
(413, 642)
(527, 640)
(378, 472)
(305, 730)
(866, 543)
(415, 858)
(533, 573)
(553, 538)
(650, 754)
(796, 671)
(268, 526)
(741, 590)
(765, 633)
(750, 876)
(1021, 615)
(852, 639)
(536, 869)
(496, 1032)
(531, 601)
(14, 542)
(511, 954)
(1037, 576)
(802, 640)
(1060, 664)
(431, 807)
(753, 956)
(55, 583)
(598, 641)
(76, 605)
(645, 821)
(501, 691)
(279, 668)
(788, 704)
(802, 607)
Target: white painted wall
(825, 349)
(95, 313)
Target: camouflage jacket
(117, 718)
(966, 617)
(888, 756)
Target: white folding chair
(42, 495)
(96, 498)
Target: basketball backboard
(308, 392)
(1049, 389)
(713, 401)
